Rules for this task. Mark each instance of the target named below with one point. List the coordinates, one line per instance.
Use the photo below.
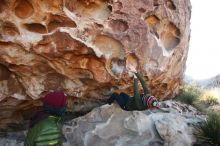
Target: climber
(44, 129)
(139, 101)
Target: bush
(187, 97)
(208, 132)
(189, 94)
(211, 100)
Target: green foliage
(189, 94)
(187, 97)
(208, 132)
(211, 100)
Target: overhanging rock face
(83, 47)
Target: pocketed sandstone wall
(83, 47)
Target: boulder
(83, 48)
(111, 126)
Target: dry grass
(206, 100)
(208, 132)
(211, 95)
(209, 101)
(190, 94)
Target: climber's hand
(131, 68)
(134, 75)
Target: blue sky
(204, 51)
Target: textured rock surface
(110, 126)
(82, 46)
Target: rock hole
(4, 72)
(117, 66)
(132, 60)
(62, 45)
(89, 8)
(76, 103)
(99, 25)
(169, 41)
(10, 28)
(173, 29)
(119, 25)
(5, 44)
(170, 36)
(53, 25)
(110, 7)
(59, 21)
(152, 20)
(156, 34)
(153, 63)
(142, 10)
(23, 9)
(170, 5)
(109, 47)
(36, 27)
(164, 86)
(156, 3)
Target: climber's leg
(122, 100)
(112, 98)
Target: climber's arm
(144, 85)
(136, 93)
